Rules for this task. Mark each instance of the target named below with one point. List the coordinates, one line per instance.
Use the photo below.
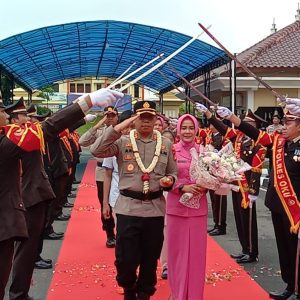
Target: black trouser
(242, 220)
(108, 225)
(6, 257)
(26, 252)
(56, 206)
(287, 248)
(219, 209)
(139, 243)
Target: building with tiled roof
(276, 59)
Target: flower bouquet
(216, 170)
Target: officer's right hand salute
(125, 124)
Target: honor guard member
(283, 194)
(218, 202)
(244, 206)
(86, 140)
(14, 143)
(36, 189)
(146, 166)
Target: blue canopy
(43, 56)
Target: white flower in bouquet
(211, 169)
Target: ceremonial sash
(243, 183)
(283, 185)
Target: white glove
(292, 101)
(90, 118)
(252, 199)
(294, 109)
(224, 112)
(201, 108)
(105, 97)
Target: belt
(140, 195)
(99, 164)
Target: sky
(237, 24)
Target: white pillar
(250, 100)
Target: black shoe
(280, 295)
(42, 265)
(68, 205)
(63, 217)
(72, 195)
(164, 273)
(235, 256)
(143, 296)
(111, 242)
(293, 297)
(54, 236)
(130, 294)
(212, 229)
(76, 181)
(247, 259)
(46, 260)
(217, 231)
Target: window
(125, 91)
(87, 87)
(72, 88)
(98, 86)
(80, 88)
(136, 91)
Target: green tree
(46, 92)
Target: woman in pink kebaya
(187, 221)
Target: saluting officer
(87, 139)
(146, 166)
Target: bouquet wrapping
(216, 170)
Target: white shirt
(111, 163)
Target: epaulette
(28, 137)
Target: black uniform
(286, 242)
(218, 202)
(242, 215)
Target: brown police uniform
(36, 192)
(140, 218)
(86, 140)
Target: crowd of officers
(38, 157)
(39, 154)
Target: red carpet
(85, 268)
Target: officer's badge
(146, 105)
(130, 167)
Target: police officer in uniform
(36, 189)
(146, 166)
(284, 190)
(218, 202)
(87, 139)
(12, 210)
(244, 206)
